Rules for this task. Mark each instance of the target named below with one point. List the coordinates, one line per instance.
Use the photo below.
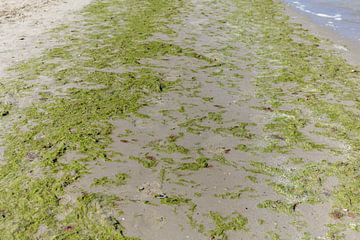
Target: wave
(302, 7)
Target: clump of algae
(194, 125)
(240, 130)
(233, 222)
(278, 206)
(234, 194)
(147, 161)
(119, 179)
(200, 162)
(300, 186)
(286, 127)
(175, 200)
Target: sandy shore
(171, 119)
(23, 26)
(348, 48)
(17, 10)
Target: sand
(24, 23)
(198, 118)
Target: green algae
(81, 121)
(194, 125)
(273, 236)
(240, 130)
(233, 222)
(260, 167)
(186, 182)
(220, 158)
(303, 185)
(234, 194)
(169, 161)
(119, 179)
(162, 175)
(90, 221)
(198, 194)
(58, 52)
(169, 147)
(181, 109)
(208, 99)
(216, 117)
(175, 200)
(242, 148)
(336, 231)
(192, 221)
(102, 181)
(286, 127)
(201, 162)
(296, 161)
(252, 179)
(33, 68)
(147, 161)
(278, 206)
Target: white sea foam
(337, 17)
(302, 7)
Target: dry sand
(24, 23)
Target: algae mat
(176, 119)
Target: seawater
(343, 16)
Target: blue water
(343, 16)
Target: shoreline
(347, 48)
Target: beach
(344, 35)
(172, 119)
(341, 16)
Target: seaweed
(201, 162)
(233, 222)
(240, 130)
